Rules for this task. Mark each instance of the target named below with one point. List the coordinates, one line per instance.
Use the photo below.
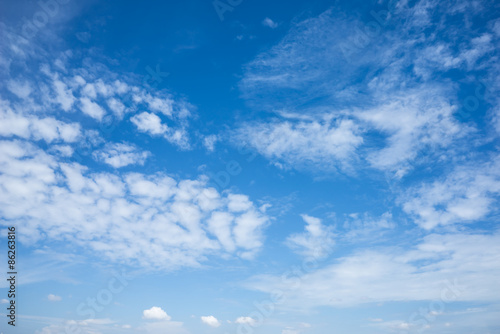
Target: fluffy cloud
(152, 220)
(321, 144)
(467, 194)
(25, 126)
(152, 124)
(93, 90)
(317, 241)
(91, 108)
(155, 313)
(121, 154)
(149, 123)
(210, 321)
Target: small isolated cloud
(316, 241)
(209, 142)
(269, 23)
(4, 301)
(54, 298)
(211, 321)
(245, 320)
(155, 313)
(121, 155)
(149, 123)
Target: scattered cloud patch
(120, 155)
(155, 313)
(316, 241)
(245, 320)
(267, 22)
(211, 321)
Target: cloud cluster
(388, 101)
(467, 194)
(121, 154)
(65, 85)
(455, 266)
(153, 220)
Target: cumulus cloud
(93, 90)
(25, 126)
(153, 220)
(149, 123)
(91, 108)
(155, 313)
(210, 321)
(121, 154)
(152, 124)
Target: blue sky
(241, 166)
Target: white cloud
(54, 298)
(21, 89)
(210, 321)
(121, 154)
(412, 123)
(155, 313)
(152, 124)
(209, 142)
(269, 23)
(245, 320)
(31, 127)
(358, 228)
(317, 241)
(54, 200)
(149, 123)
(467, 194)
(64, 96)
(93, 89)
(117, 107)
(325, 145)
(394, 115)
(446, 267)
(4, 301)
(91, 108)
